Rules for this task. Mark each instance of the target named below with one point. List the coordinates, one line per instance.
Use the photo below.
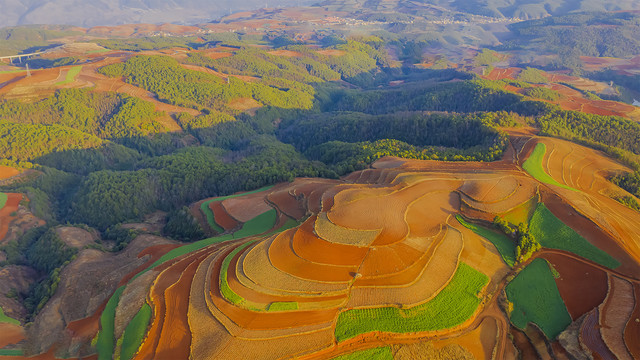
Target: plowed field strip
(158, 302)
(175, 338)
(309, 246)
(258, 268)
(590, 336)
(282, 257)
(253, 295)
(632, 330)
(412, 273)
(221, 217)
(614, 315)
(252, 320)
(432, 279)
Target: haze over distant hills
(524, 9)
(102, 12)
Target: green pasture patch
(257, 225)
(381, 353)
(3, 200)
(536, 299)
(451, 307)
(533, 165)
(106, 340)
(72, 73)
(552, 233)
(11, 352)
(135, 331)
(206, 210)
(225, 289)
(283, 306)
(12, 71)
(506, 246)
(3, 317)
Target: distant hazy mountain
(524, 9)
(114, 12)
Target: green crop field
(106, 339)
(257, 225)
(533, 166)
(72, 73)
(3, 200)
(552, 233)
(226, 291)
(536, 299)
(206, 210)
(134, 333)
(5, 319)
(381, 353)
(12, 71)
(11, 352)
(283, 306)
(506, 247)
(452, 306)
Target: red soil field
(287, 203)
(500, 73)
(11, 334)
(13, 200)
(309, 246)
(175, 339)
(282, 257)
(221, 217)
(7, 172)
(255, 296)
(159, 298)
(252, 320)
(582, 286)
(521, 342)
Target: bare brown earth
(11, 206)
(11, 334)
(582, 287)
(221, 216)
(75, 237)
(19, 278)
(7, 172)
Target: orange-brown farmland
(388, 237)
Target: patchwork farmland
(307, 270)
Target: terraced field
(385, 260)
